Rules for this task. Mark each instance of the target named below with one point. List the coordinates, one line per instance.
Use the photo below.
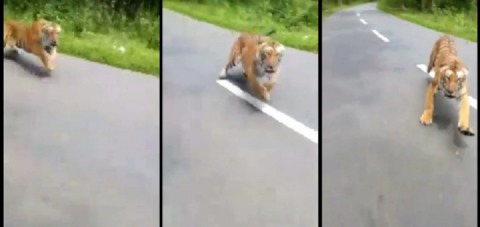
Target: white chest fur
(262, 76)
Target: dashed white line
(471, 100)
(358, 14)
(380, 36)
(291, 123)
(363, 21)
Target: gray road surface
(82, 147)
(225, 163)
(380, 166)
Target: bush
(292, 14)
(431, 5)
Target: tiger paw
(50, 67)
(426, 118)
(466, 131)
(266, 96)
(223, 73)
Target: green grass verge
(241, 19)
(459, 24)
(102, 48)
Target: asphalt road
(224, 162)
(81, 148)
(380, 166)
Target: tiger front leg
(47, 63)
(52, 57)
(259, 89)
(271, 84)
(463, 117)
(427, 115)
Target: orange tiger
(260, 57)
(39, 38)
(235, 52)
(451, 76)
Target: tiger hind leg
(11, 46)
(224, 70)
(431, 62)
(45, 58)
(233, 59)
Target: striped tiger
(451, 77)
(39, 38)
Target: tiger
(260, 57)
(235, 52)
(451, 76)
(39, 38)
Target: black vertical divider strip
(478, 172)
(320, 115)
(161, 112)
(3, 180)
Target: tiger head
(452, 81)
(49, 32)
(270, 54)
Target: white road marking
(363, 21)
(358, 14)
(380, 36)
(471, 100)
(291, 123)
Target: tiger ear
(262, 46)
(57, 27)
(279, 48)
(462, 72)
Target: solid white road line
(471, 100)
(380, 36)
(363, 21)
(291, 123)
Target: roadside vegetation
(458, 18)
(296, 21)
(121, 33)
(329, 7)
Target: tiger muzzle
(269, 69)
(449, 94)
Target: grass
(103, 48)
(243, 19)
(460, 24)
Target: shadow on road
(26, 64)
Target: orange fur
(451, 76)
(260, 57)
(32, 38)
(235, 52)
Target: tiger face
(50, 32)
(452, 82)
(270, 55)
